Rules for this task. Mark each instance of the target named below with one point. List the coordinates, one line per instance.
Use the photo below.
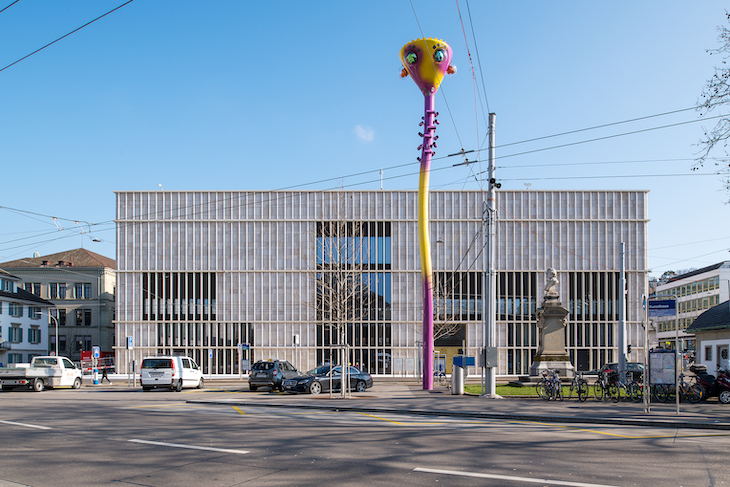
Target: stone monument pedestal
(551, 353)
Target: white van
(171, 372)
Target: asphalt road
(120, 437)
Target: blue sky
(239, 95)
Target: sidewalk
(409, 398)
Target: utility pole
(489, 294)
(622, 316)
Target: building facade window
(34, 312)
(15, 334)
(83, 343)
(15, 310)
(34, 335)
(15, 358)
(61, 317)
(175, 296)
(87, 291)
(87, 317)
(33, 288)
(353, 291)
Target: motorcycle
(713, 386)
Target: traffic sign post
(95, 364)
(668, 307)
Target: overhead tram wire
(570, 132)
(4, 9)
(64, 36)
(106, 222)
(479, 62)
(473, 74)
(415, 163)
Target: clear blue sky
(239, 95)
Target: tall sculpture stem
(424, 240)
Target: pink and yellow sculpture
(426, 60)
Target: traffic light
(628, 349)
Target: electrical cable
(64, 36)
(4, 9)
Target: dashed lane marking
(26, 425)
(189, 447)
(509, 477)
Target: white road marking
(26, 425)
(507, 477)
(190, 447)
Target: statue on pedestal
(551, 324)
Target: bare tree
(344, 286)
(717, 93)
(444, 314)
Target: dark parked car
(319, 379)
(270, 373)
(635, 369)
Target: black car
(270, 373)
(319, 380)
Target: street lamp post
(55, 320)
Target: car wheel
(38, 385)
(724, 396)
(315, 388)
(200, 383)
(178, 386)
(77, 383)
(361, 386)
(252, 388)
(146, 389)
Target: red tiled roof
(69, 258)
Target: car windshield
(263, 366)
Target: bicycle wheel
(547, 391)
(614, 392)
(539, 388)
(692, 393)
(599, 391)
(660, 392)
(636, 392)
(582, 390)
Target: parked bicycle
(605, 386)
(691, 392)
(550, 387)
(580, 386)
(631, 388)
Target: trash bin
(457, 380)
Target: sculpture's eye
(411, 57)
(439, 55)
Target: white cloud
(365, 134)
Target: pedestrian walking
(104, 376)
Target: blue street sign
(664, 307)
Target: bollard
(457, 380)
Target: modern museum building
(231, 277)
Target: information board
(662, 367)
